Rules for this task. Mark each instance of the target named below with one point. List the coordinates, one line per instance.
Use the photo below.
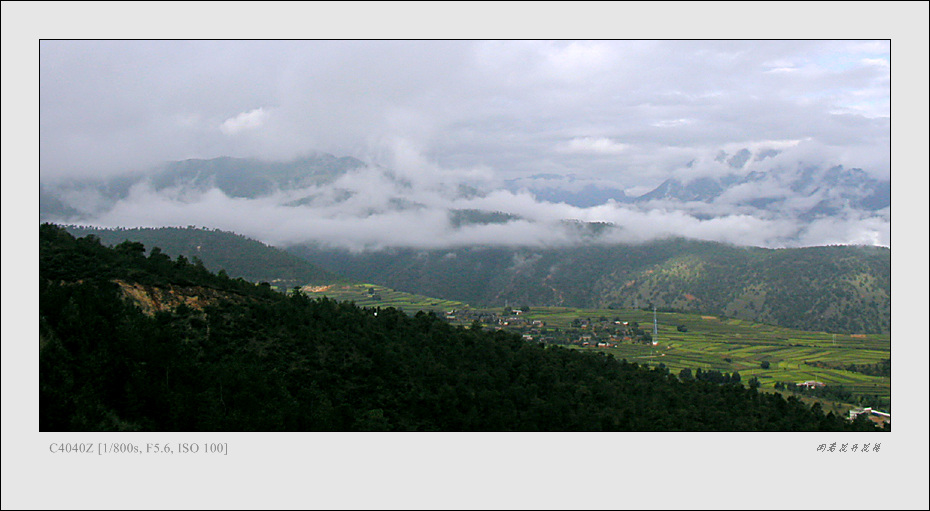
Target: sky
(631, 111)
(622, 113)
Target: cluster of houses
(875, 416)
(811, 384)
(608, 334)
(586, 332)
(490, 318)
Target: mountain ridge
(836, 187)
(844, 289)
(236, 177)
(840, 289)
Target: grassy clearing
(373, 295)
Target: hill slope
(219, 250)
(841, 289)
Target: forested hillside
(843, 289)
(267, 361)
(219, 250)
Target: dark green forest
(262, 360)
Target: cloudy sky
(627, 110)
(628, 113)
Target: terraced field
(734, 345)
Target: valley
(709, 343)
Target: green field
(710, 343)
(382, 297)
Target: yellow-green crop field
(729, 345)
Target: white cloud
(249, 120)
(850, 229)
(672, 123)
(782, 70)
(875, 62)
(592, 145)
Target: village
(600, 332)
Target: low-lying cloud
(414, 205)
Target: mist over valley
(345, 202)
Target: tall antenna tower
(655, 327)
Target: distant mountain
(237, 255)
(235, 177)
(835, 187)
(837, 289)
(249, 177)
(560, 189)
(52, 206)
(737, 180)
(702, 189)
